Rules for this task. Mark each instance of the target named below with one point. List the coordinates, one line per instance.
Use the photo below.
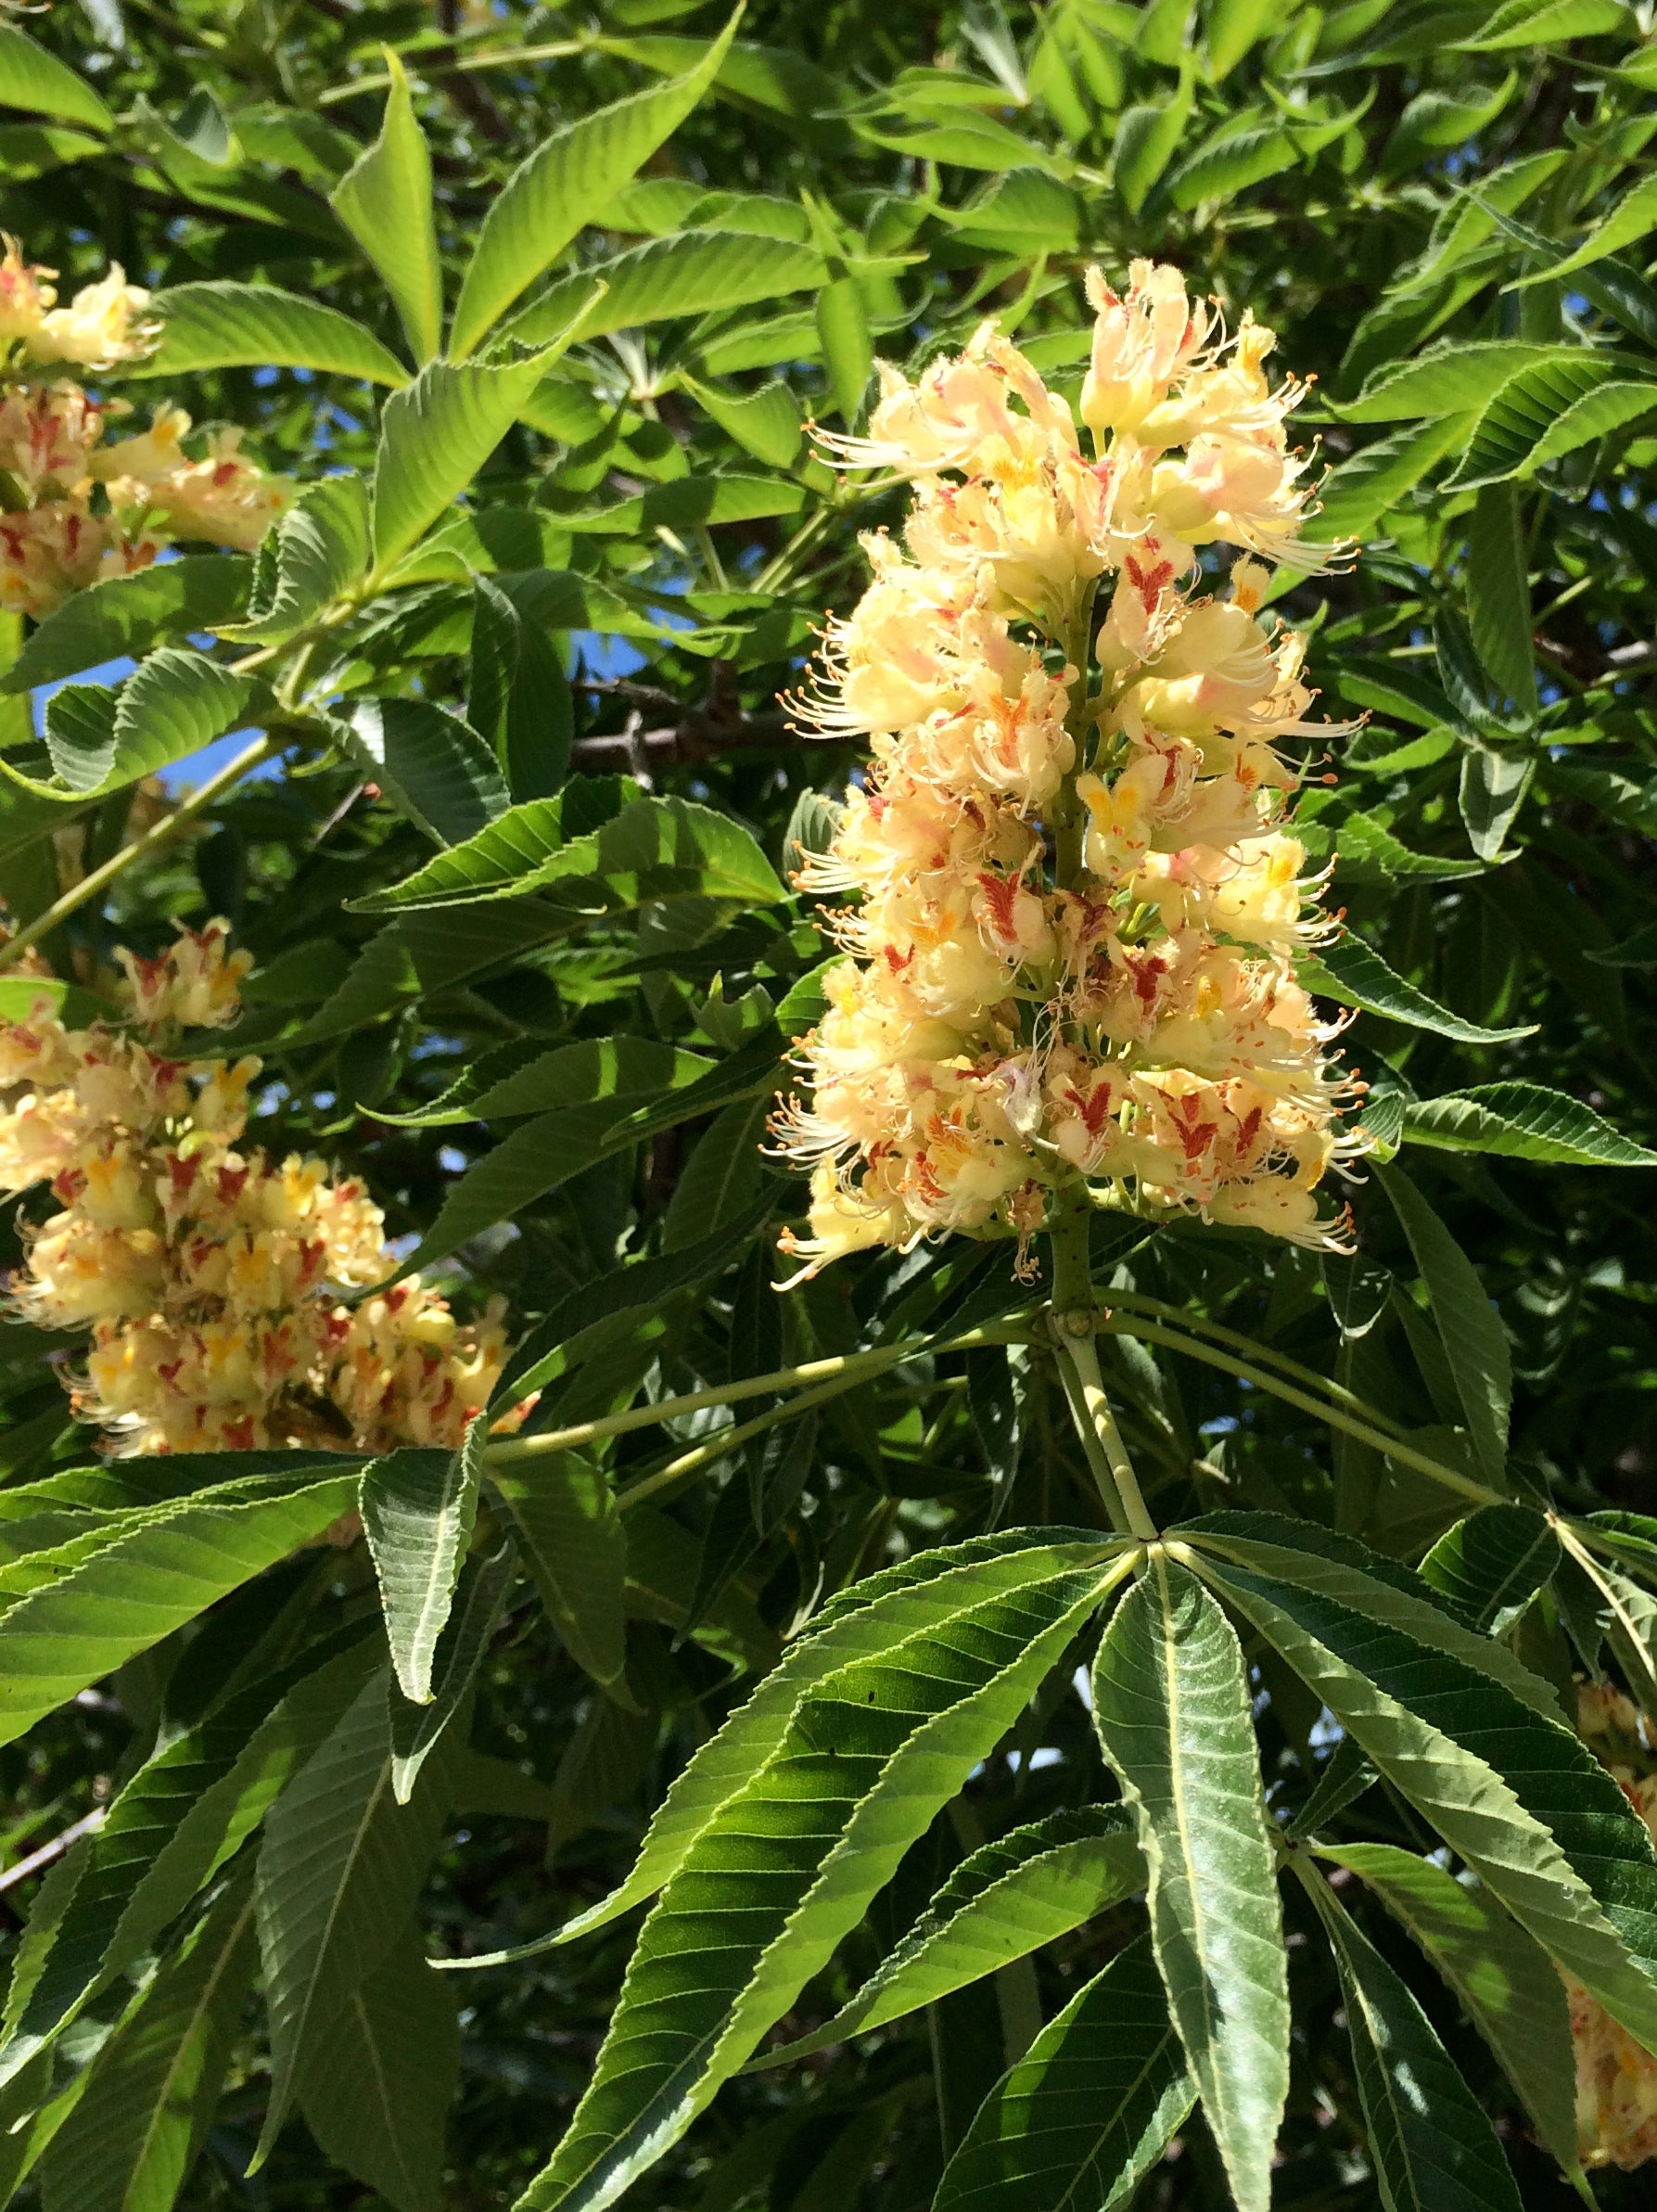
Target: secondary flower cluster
(1616, 2078)
(210, 1276)
(73, 508)
(1077, 902)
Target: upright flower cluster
(1076, 905)
(1616, 2078)
(73, 508)
(209, 1276)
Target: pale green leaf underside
(1172, 1708)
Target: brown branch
(695, 734)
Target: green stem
(851, 1366)
(723, 1442)
(1335, 1416)
(1176, 1316)
(1073, 1320)
(158, 833)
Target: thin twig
(49, 1853)
(158, 833)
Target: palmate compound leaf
(184, 1814)
(148, 1580)
(930, 1591)
(339, 1869)
(418, 1508)
(150, 2093)
(787, 1864)
(1519, 1120)
(1449, 1724)
(1506, 1981)
(1172, 1708)
(1435, 2151)
(1003, 1902)
(563, 185)
(1088, 2111)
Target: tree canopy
(1112, 1677)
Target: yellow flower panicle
(1076, 900)
(1616, 2078)
(210, 1276)
(76, 508)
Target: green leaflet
(1540, 23)
(1088, 2111)
(555, 1345)
(149, 2095)
(1448, 378)
(100, 740)
(417, 1512)
(317, 548)
(339, 1872)
(1633, 218)
(142, 1585)
(847, 346)
(1355, 974)
(1521, 1121)
(221, 325)
(695, 273)
(1525, 1803)
(1493, 784)
(1432, 2145)
(929, 1591)
(866, 1757)
(1172, 1708)
(1003, 1902)
(1491, 1564)
(1505, 1980)
(1359, 491)
(1499, 601)
(1474, 1341)
(482, 1592)
(765, 423)
(385, 201)
(435, 435)
(527, 1077)
(1145, 139)
(562, 186)
(127, 614)
(574, 1547)
(41, 85)
(652, 848)
(376, 2084)
(433, 767)
(184, 1815)
(1550, 407)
